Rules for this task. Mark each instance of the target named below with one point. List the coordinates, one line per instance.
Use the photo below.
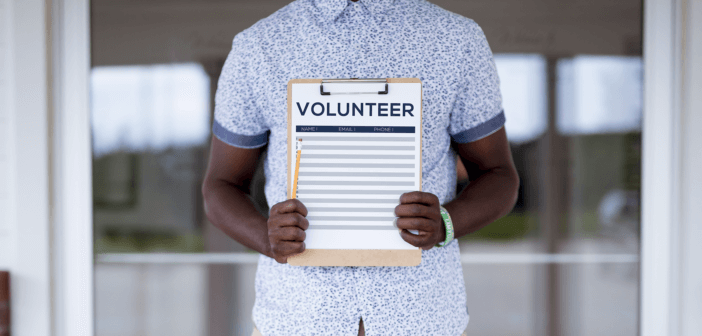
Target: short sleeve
(238, 116)
(477, 111)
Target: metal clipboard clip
(354, 80)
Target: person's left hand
(420, 211)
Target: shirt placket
(360, 19)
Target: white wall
(24, 164)
(5, 136)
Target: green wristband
(449, 227)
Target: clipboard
(354, 146)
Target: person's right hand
(286, 229)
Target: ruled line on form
(347, 200)
(357, 165)
(363, 183)
(342, 138)
(389, 148)
(357, 156)
(330, 209)
(354, 192)
(352, 227)
(356, 174)
(349, 219)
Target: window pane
(502, 299)
(150, 300)
(173, 300)
(150, 131)
(588, 299)
(599, 94)
(579, 195)
(595, 153)
(140, 108)
(524, 99)
(602, 204)
(599, 116)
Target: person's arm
(229, 208)
(490, 195)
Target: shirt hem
(239, 140)
(482, 130)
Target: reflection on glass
(599, 94)
(592, 299)
(503, 299)
(523, 88)
(602, 208)
(150, 130)
(596, 154)
(150, 300)
(599, 101)
(523, 84)
(138, 108)
(173, 300)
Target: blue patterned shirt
(364, 39)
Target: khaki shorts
(257, 333)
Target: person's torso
(404, 41)
(410, 38)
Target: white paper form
(360, 152)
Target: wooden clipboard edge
(322, 257)
(319, 257)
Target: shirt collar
(329, 10)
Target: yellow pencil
(297, 168)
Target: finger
(414, 240)
(291, 219)
(290, 233)
(288, 248)
(419, 197)
(415, 223)
(290, 206)
(414, 210)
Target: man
(461, 100)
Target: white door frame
(659, 164)
(671, 196)
(71, 165)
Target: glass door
(565, 261)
